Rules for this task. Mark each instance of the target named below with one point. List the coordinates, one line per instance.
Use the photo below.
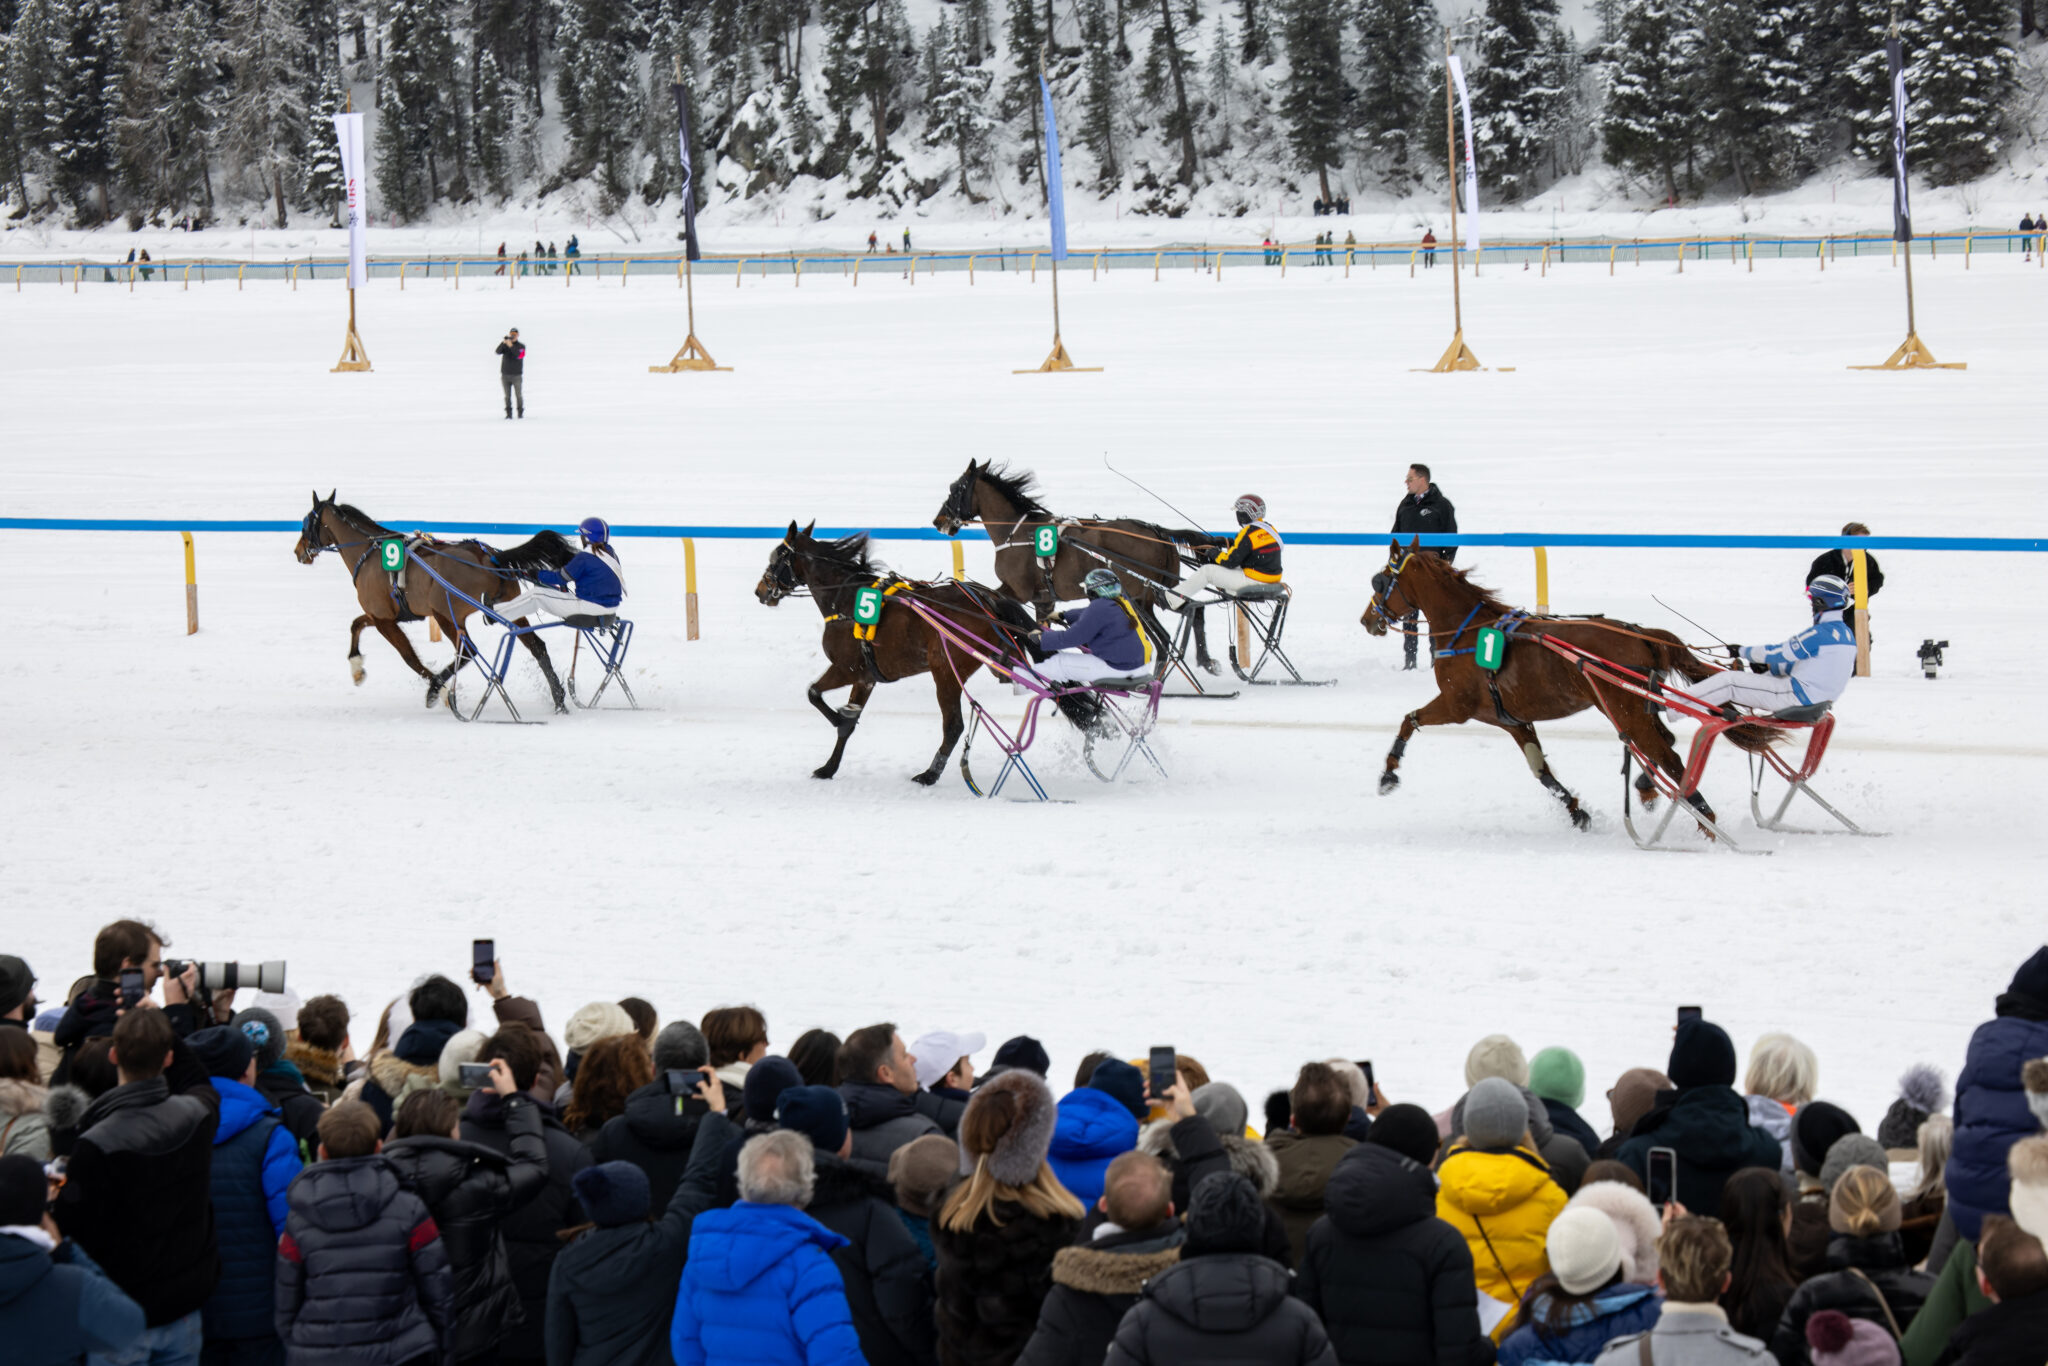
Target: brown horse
(412, 595)
(1534, 683)
(904, 642)
(1145, 557)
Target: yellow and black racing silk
(1256, 551)
(1137, 625)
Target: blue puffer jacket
(254, 1161)
(759, 1289)
(1094, 1128)
(593, 576)
(1615, 1312)
(1991, 1110)
(1108, 632)
(57, 1306)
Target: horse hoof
(825, 772)
(433, 695)
(925, 779)
(1388, 782)
(1209, 666)
(355, 669)
(1581, 821)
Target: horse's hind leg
(1202, 643)
(948, 690)
(1650, 735)
(355, 648)
(391, 631)
(536, 647)
(1439, 712)
(1532, 751)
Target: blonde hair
(975, 1199)
(1782, 1069)
(1861, 1201)
(1936, 1137)
(1694, 1256)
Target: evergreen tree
(1020, 100)
(1747, 90)
(87, 104)
(493, 109)
(958, 102)
(1257, 38)
(323, 187)
(1515, 94)
(1317, 97)
(1179, 120)
(601, 95)
(1568, 134)
(420, 119)
(141, 142)
(1399, 75)
(401, 169)
(1960, 71)
(29, 87)
(264, 128)
(191, 110)
(1100, 99)
(1648, 126)
(1221, 79)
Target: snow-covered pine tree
(601, 95)
(29, 84)
(1569, 134)
(493, 107)
(422, 83)
(1514, 95)
(1255, 37)
(401, 166)
(191, 111)
(141, 145)
(1220, 76)
(1837, 42)
(1747, 90)
(1178, 122)
(87, 103)
(958, 100)
(1101, 101)
(978, 25)
(1399, 75)
(324, 188)
(1020, 99)
(1649, 125)
(264, 126)
(1960, 73)
(1317, 98)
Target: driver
(1103, 640)
(591, 584)
(1812, 667)
(1253, 557)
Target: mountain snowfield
(1259, 906)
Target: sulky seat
(1803, 716)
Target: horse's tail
(1673, 656)
(1183, 536)
(546, 550)
(1754, 739)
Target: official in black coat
(1837, 563)
(1424, 511)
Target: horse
(389, 599)
(1145, 556)
(904, 643)
(1534, 683)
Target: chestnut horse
(1533, 683)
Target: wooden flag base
(1059, 360)
(353, 356)
(1914, 355)
(693, 356)
(1458, 356)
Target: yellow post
(188, 276)
(1681, 257)
(1283, 263)
(1220, 254)
(959, 561)
(295, 275)
(689, 589)
(1155, 268)
(796, 269)
(856, 272)
(1861, 573)
(1034, 267)
(970, 267)
(679, 274)
(1411, 263)
(191, 588)
(1749, 250)
(596, 265)
(739, 268)
(239, 269)
(1545, 268)
(1542, 582)
(1095, 265)
(1968, 242)
(401, 277)
(1475, 260)
(913, 270)
(1610, 257)
(1348, 254)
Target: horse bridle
(959, 507)
(782, 572)
(1388, 582)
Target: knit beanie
(818, 1112)
(1634, 1095)
(1835, 1339)
(920, 1170)
(2027, 1161)
(1701, 1055)
(2029, 990)
(1557, 1074)
(598, 1020)
(1852, 1203)
(1815, 1130)
(765, 1083)
(1225, 1214)
(1853, 1150)
(612, 1193)
(1585, 1251)
(1496, 1115)
(1223, 1105)
(461, 1049)
(1409, 1130)
(224, 1050)
(1025, 1052)
(1923, 1091)
(266, 1035)
(1496, 1055)
(1116, 1078)
(24, 1190)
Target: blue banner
(1055, 190)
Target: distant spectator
(871, 243)
(1927, 1204)
(609, 1074)
(1558, 1079)
(1691, 1330)
(1497, 1192)
(1022, 1051)
(321, 1052)
(91, 1012)
(1839, 562)
(1633, 1095)
(1583, 1303)
(1308, 1151)
(1428, 248)
(816, 1055)
(438, 1013)
(1707, 1124)
(1191, 1152)
(945, 1073)
(1426, 511)
(56, 1305)
(1096, 1124)
(1761, 1280)
(1864, 1257)
(738, 1037)
(1782, 1076)
(879, 1082)
(657, 1130)
(919, 1172)
(591, 1024)
(1637, 1224)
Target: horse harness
(1507, 626)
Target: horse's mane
(547, 550)
(1481, 595)
(1020, 487)
(357, 516)
(849, 552)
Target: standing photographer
(512, 371)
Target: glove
(1759, 668)
(1033, 638)
(1734, 651)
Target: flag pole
(692, 355)
(1456, 356)
(354, 356)
(1056, 219)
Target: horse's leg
(355, 648)
(948, 689)
(390, 630)
(1650, 735)
(536, 647)
(835, 677)
(843, 719)
(1440, 711)
(1202, 643)
(1532, 751)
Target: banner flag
(689, 174)
(1055, 190)
(348, 131)
(1471, 167)
(1902, 211)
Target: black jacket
(1431, 513)
(138, 1195)
(2009, 1333)
(362, 1276)
(417, 1052)
(1569, 1122)
(992, 1281)
(1192, 1149)
(1708, 1127)
(530, 1230)
(1836, 563)
(945, 1105)
(612, 1292)
(883, 1119)
(472, 1190)
(91, 1016)
(1392, 1282)
(887, 1286)
(1231, 1309)
(655, 1134)
(283, 1087)
(1883, 1262)
(1094, 1285)
(512, 358)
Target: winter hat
(1815, 1130)
(1408, 1130)
(224, 1050)
(1116, 1078)
(1585, 1251)
(920, 1170)
(2027, 1161)
(598, 1020)
(1025, 1052)
(266, 1035)
(818, 1112)
(286, 1005)
(1634, 1094)
(1557, 1074)
(612, 1193)
(1496, 1115)
(1636, 1223)
(1496, 1055)
(1864, 1206)
(1701, 1055)
(1225, 1215)
(1835, 1339)
(1923, 1091)
(936, 1052)
(16, 981)
(24, 1190)
(1223, 1105)
(2029, 990)
(463, 1048)
(765, 1083)
(2034, 1076)
(1853, 1150)
(1009, 1124)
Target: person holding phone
(512, 371)
(1707, 1124)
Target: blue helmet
(594, 531)
(1828, 593)
(1102, 583)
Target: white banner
(348, 131)
(1471, 168)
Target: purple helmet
(594, 531)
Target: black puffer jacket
(1231, 1309)
(283, 1087)
(362, 1276)
(1192, 1149)
(992, 1282)
(530, 1230)
(1882, 1262)
(655, 1134)
(1392, 1282)
(471, 1191)
(887, 1286)
(1094, 1285)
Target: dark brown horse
(1533, 684)
(1146, 557)
(904, 642)
(388, 599)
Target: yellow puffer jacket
(1502, 1202)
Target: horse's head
(313, 534)
(786, 566)
(958, 509)
(1388, 601)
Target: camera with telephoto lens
(232, 976)
(1930, 655)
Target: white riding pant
(1760, 692)
(556, 602)
(1229, 582)
(1073, 666)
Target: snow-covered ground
(1259, 907)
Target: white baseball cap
(936, 1052)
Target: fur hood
(66, 1106)
(1094, 1272)
(1253, 1161)
(319, 1066)
(1020, 1150)
(1635, 1221)
(18, 1097)
(390, 1072)
(2034, 1076)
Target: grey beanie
(1496, 1114)
(1853, 1150)
(1221, 1104)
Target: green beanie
(1557, 1074)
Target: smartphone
(684, 1081)
(1372, 1088)
(473, 1074)
(1663, 1180)
(1689, 1013)
(1165, 1071)
(131, 988)
(483, 961)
